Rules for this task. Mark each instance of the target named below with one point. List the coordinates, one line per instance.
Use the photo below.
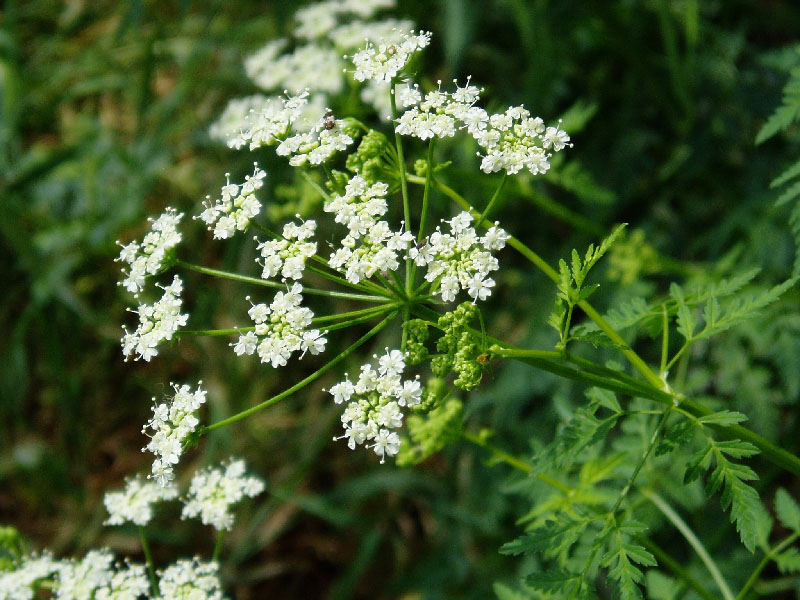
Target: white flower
(190, 580)
(514, 140)
(384, 61)
(214, 491)
(460, 260)
(129, 583)
(157, 322)
(79, 580)
(18, 583)
(135, 502)
(171, 424)
(371, 245)
(236, 206)
(234, 117)
(281, 329)
(438, 115)
(374, 403)
(147, 258)
(288, 256)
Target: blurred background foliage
(104, 113)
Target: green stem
(674, 566)
(751, 581)
(275, 285)
(426, 193)
(341, 281)
(148, 556)
(653, 439)
(301, 384)
(218, 546)
(693, 540)
(403, 180)
(358, 321)
(492, 202)
(664, 341)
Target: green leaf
(605, 398)
(661, 587)
(558, 581)
(723, 418)
(554, 539)
(786, 114)
(788, 561)
(787, 510)
(675, 436)
(789, 194)
(786, 176)
(623, 555)
(504, 592)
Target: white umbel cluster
(281, 329)
(236, 206)
(135, 503)
(370, 246)
(190, 580)
(460, 260)
(214, 491)
(172, 422)
(440, 114)
(374, 403)
(157, 323)
(288, 255)
(385, 60)
(147, 258)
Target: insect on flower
(329, 122)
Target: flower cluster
(316, 145)
(281, 329)
(439, 114)
(171, 424)
(17, 583)
(157, 322)
(514, 140)
(374, 403)
(311, 65)
(383, 62)
(95, 578)
(288, 256)
(371, 245)
(147, 258)
(318, 135)
(192, 580)
(460, 260)
(214, 491)
(271, 124)
(135, 503)
(235, 208)
(320, 19)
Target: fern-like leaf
(787, 113)
(787, 510)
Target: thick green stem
(693, 540)
(301, 384)
(275, 285)
(148, 557)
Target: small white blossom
(514, 140)
(171, 424)
(373, 404)
(157, 322)
(79, 580)
(383, 62)
(370, 246)
(460, 260)
(135, 502)
(128, 583)
(316, 145)
(281, 329)
(190, 580)
(18, 583)
(438, 114)
(214, 491)
(236, 206)
(147, 258)
(288, 255)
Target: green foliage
(429, 433)
(571, 290)
(623, 556)
(787, 510)
(731, 477)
